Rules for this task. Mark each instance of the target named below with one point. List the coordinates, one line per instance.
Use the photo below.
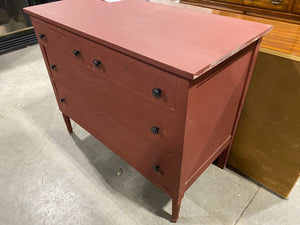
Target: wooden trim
(280, 54)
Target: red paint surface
(182, 40)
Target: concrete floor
(50, 177)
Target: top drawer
(68, 44)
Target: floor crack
(242, 213)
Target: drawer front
(142, 116)
(45, 35)
(135, 75)
(68, 44)
(279, 5)
(137, 151)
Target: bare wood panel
(267, 142)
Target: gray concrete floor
(50, 177)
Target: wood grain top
(182, 41)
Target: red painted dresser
(161, 86)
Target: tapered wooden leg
(223, 158)
(175, 209)
(68, 123)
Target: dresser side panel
(213, 106)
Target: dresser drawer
(67, 43)
(45, 35)
(135, 75)
(138, 114)
(136, 150)
(280, 5)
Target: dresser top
(182, 41)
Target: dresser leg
(68, 123)
(175, 209)
(223, 158)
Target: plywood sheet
(267, 141)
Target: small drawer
(65, 42)
(139, 152)
(151, 83)
(157, 125)
(280, 5)
(45, 35)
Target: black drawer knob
(62, 100)
(97, 63)
(41, 36)
(156, 168)
(76, 53)
(155, 130)
(156, 92)
(52, 67)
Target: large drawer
(130, 109)
(140, 153)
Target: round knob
(97, 63)
(156, 92)
(41, 36)
(156, 168)
(155, 130)
(62, 100)
(76, 53)
(52, 66)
